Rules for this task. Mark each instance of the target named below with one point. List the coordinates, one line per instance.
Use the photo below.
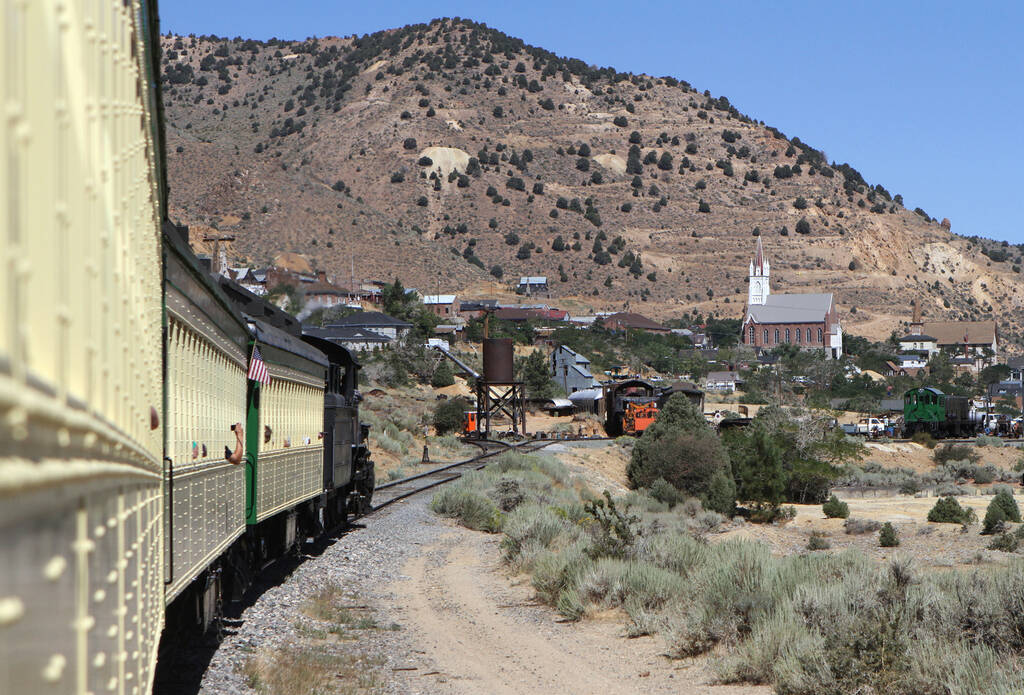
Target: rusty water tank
(498, 361)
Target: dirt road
(483, 633)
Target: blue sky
(924, 98)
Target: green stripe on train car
(252, 449)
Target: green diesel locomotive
(928, 409)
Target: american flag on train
(257, 369)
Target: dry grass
(313, 670)
(325, 658)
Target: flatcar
(928, 409)
(146, 470)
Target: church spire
(760, 270)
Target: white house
(725, 382)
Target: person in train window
(236, 457)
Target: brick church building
(809, 321)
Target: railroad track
(389, 493)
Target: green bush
(887, 537)
(449, 415)
(835, 508)
(681, 449)
(995, 519)
(924, 439)
(442, 376)
(1004, 498)
(985, 440)
(948, 511)
(664, 491)
(955, 452)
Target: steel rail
(471, 463)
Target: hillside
(450, 153)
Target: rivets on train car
(64, 436)
(54, 668)
(55, 567)
(99, 660)
(100, 531)
(112, 631)
(90, 439)
(83, 546)
(111, 576)
(17, 421)
(112, 684)
(99, 595)
(11, 610)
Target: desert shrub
(947, 510)
(984, 474)
(1005, 542)
(835, 508)
(472, 508)
(614, 531)
(887, 537)
(818, 541)
(924, 439)
(985, 440)
(448, 415)
(664, 491)
(955, 452)
(507, 494)
(858, 527)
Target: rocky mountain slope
(454, 156)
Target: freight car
(929, 410)
(127, 502)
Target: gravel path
(364, 562)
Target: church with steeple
(809, 321)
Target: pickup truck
(866, 427)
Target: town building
(477, 308)
(374, 322)
(723, 382)
(354, 339)
(1016, 365)
(571, 370)
(533, 285)
(809, 321)
(971, 345)
(443, 306)
(629, 321)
